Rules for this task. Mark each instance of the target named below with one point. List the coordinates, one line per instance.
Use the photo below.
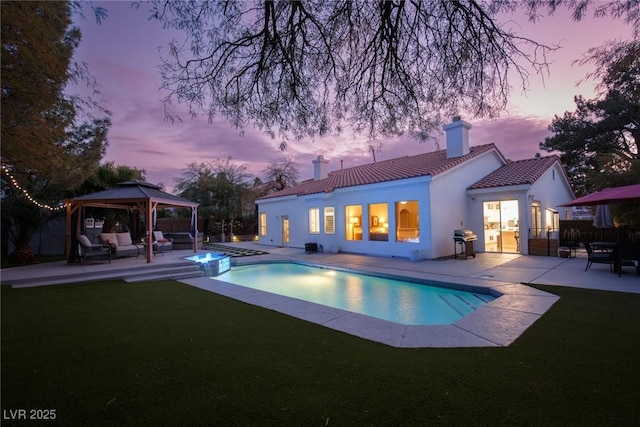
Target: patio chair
(627, 255)
(598, 257)
(87, 250)
(162, 243)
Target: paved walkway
(510, 268)
(490, 267)
(498, 323)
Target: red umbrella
(627, 193)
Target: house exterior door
(501, 226)
(285, 230)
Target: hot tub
(212, 264)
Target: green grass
(163, 353)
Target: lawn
(163, 353)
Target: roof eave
(522, 187)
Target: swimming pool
(384, 298)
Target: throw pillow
(158, 237)
(124, 239)
(84, 241)
(105, 237)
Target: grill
(466, 240)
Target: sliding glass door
(501, 226)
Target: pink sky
(123, 53)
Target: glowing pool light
(212, 264)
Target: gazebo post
(67, 244)
(194, 215)
(69, 236)
(149, 233)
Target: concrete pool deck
(498, 323)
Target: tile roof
(516, 173)
(405, 167)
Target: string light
(26, 194)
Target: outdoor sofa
(181, 241)
(88, 251)
(121, 244)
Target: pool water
(388, 299)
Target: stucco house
(414, 203)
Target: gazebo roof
(130, 193)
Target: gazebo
(133, 196)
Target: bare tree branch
(385, 68)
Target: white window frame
(263, 223)
(329, 220)
(314, 220)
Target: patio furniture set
(120, 245)
(616, 254)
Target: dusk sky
(123, 53)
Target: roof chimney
(457, 137)
(319, 168)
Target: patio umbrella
(603, 218)
(627, 193)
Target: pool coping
(496, 324)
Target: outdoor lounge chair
(161, 243)
(88, 251)
(598, 257)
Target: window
(353, 222)
(536, 220)
(314, 220)
(263, 224)
(552, 219)
(378, 222)
(329, 221)
(407, 229)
